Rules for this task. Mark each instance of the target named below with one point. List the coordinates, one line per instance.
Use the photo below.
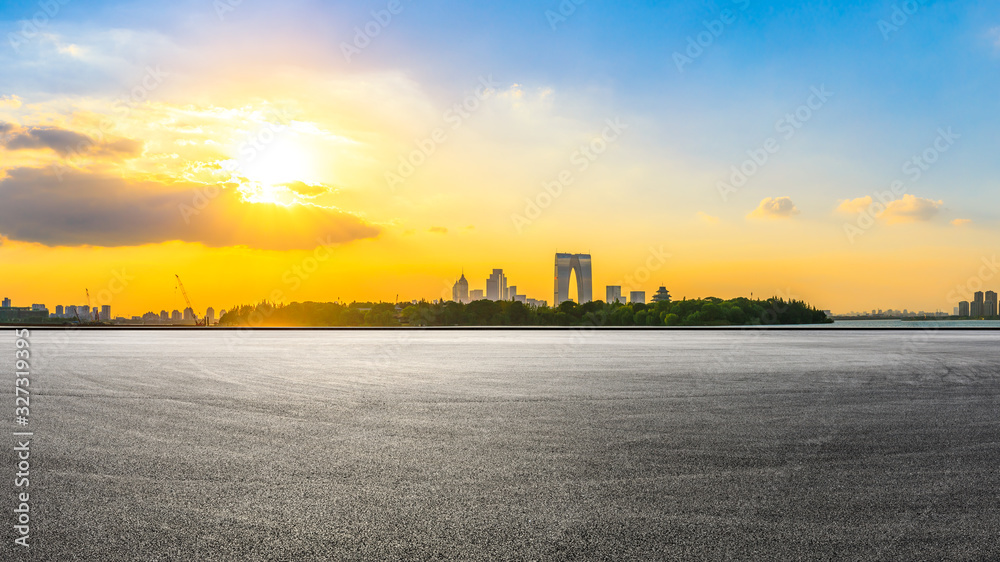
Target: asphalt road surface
(812, 445)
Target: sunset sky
(844, 153)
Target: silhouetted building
(59, 311)
(579, 264)
(189, 315)
(637, 297)
(164, 316)
(990, 304)
(175, 316)
(661, 295)
(21, 314)
(511, 293)
(496, 286)
(460, 291)
(979, 305)
(963, 308)
(106, 312)
(614, 294)
(476, 295)
(6, 303)
(210, 316)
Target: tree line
(698, 312)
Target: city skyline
(983, 303)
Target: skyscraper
(210, 316)
(460, 292)
(175, 316)
(566, 265)
(189, 315)
(106, 312)
(511, 293)
(637, 297)
(476, 295)
(963, 308)
(614, 294)
(978, 305)
(990, 305)
(496, 286)
(59, 311)
(6, 303)
(164, 316)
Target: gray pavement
(825, 445)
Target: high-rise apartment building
(210, 316)
(990, 304)
(978, 305)
(963, 308)
(614, 294)
(637, 297)
(6, 303)
(476, 295)
(106, 312)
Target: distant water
(942, 324)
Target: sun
(283, 161)
(270, 163)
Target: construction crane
(188, 301)
(95, 315)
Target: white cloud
(775, 208)
(12, 101)
(906, 210)
(911, 209)
(707, 218)
(855, 206)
